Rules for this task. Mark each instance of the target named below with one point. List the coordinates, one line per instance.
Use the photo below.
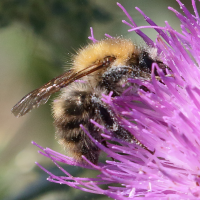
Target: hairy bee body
(77, 105)
(102, 67)
(81, 101)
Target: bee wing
(41, 95)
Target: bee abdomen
(77, 108)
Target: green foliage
(71, 17)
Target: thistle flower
(166, 120)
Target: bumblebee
(101, 67)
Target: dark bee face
(103, 67)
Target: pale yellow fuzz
(119, 48)
(57, 107)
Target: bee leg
(125, 135)
(118, 131)
(105, 144)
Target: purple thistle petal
(195, 9)
(108, 36)
(152, 24)
(187, 13)
(127, 14)
(139, 32)
(92, 36)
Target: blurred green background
(37, 38)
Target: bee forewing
(27, 103)
(41, 95)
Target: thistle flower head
(166, 120)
